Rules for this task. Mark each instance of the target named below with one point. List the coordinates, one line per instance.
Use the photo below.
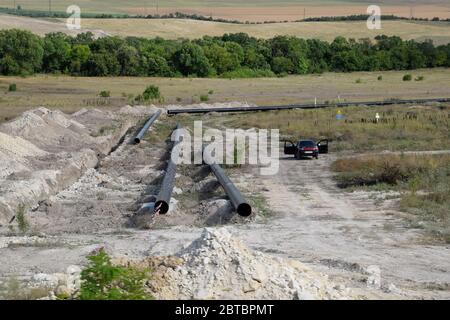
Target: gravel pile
(219, 266)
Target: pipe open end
(137, 140)
(244, 209)
(163, 207)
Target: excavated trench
(92, 178)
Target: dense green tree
(231, 55)
(282, 65)
(128, 58)
(57, 53)
(21, 52)
(190, 60)
(102, 64)
(79, 55)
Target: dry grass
(72, 93)
(252, 10)
(192, 29)
(400, 128)
(439, 32)
(423, 181)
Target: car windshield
(307, 143)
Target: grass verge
(422, 180)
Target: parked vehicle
(306, 148)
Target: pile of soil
(220, 266)
(44, 151)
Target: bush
(105, 94)
(12, 87)
(21, 219)
(358, 80)
(151, 93)
(419, 78)
(204, 97)
(380, 78)
(407, 77)
(101, 280)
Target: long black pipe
(236, 198)
(305, 106)
(147, 125)
(165, 193)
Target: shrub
(407, 77)
(204, 97)
(105, 94)
(21, 219)
(358, 80)
(101, 280)
(151, 93)
(419, 78)
(380, 78)
(210, 91)
(12, 87)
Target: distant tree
(190, 59)
(57, 53)
(21, 52)
(128, 58)
(255, 60)
(102, 64)
(78, 57)
(282, 65)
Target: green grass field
(72, 93)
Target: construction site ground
(83, 183)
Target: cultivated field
(180, 28)
(439, 32)
(252, 10)
(72, 93)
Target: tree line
(229, 56)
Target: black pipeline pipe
(236, 198)
(163, 199)
(305, 106)
(147, 125)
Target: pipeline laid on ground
(305, 106)
(165, 193)
(147, 125)
(236, 198)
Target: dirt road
(347, 235)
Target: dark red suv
(306, 148)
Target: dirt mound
(13, 153)
(44, 151)
(219, 266)
(138, 110)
